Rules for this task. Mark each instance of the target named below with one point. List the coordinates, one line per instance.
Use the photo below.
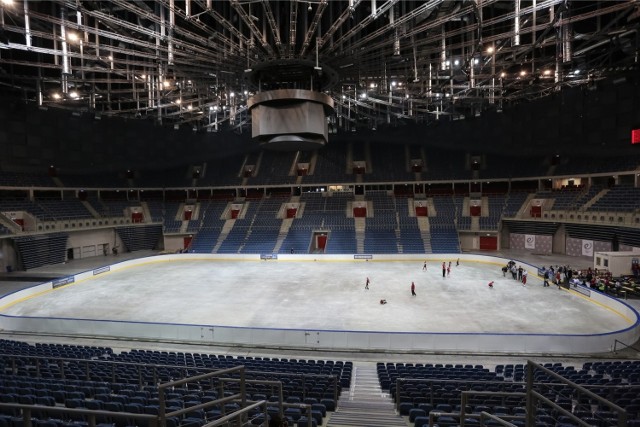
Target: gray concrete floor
(321, 295)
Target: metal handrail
(114, 363)
(153, 420)
(533, 395)
(615, 346)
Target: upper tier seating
(388, 164)
(331, 166)
(274, 169)
(23, 179)
(514, 202)
(621, 198)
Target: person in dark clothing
(413, 289)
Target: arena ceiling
(384, 62)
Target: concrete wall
(538, 243)
(327, 339)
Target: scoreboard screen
(635, 136)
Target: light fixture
(179, 101)
(546, 72)
(56, 96)
(456, 62)
(190, 107)
(73, 94)
(7, 2)
(73, 37)
(523, 73)
(490, 49)
(503, 75)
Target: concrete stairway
(366, 403)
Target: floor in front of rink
(326, 296)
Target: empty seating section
(410, 237)
(174, 177)
(389, 227)
(222, 172)
(445, 165)
(157, 210)
(381, 231)
(463, 220)
(444, 235)
(503, 166)
(111, 208)
(172, 223)
(274, 169)
(260, 240)
(298, 239)
(209, 226)
(300, 233)
(585, 197)
(583, 164)
(389, 163)
(48, 209)
(30, 207)
(57, 210)
(15, 179)
(331, 166)
(563, 199)
(136, 238)
(46, 249)
(444, 238)
(97, 378)
(621, 198)
(85, 181)
(342, 238)
(422, 389)
(341, 241)
(358, 152)
(514, 202)
(380, 240)
(258, 231)
(495, 203)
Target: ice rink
(324, 295)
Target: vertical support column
(172, 23)
(81, 41)
(516, 24)
(443, 53)
(531, 410)
(66, 67)
(558, 70)
(27, 24)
